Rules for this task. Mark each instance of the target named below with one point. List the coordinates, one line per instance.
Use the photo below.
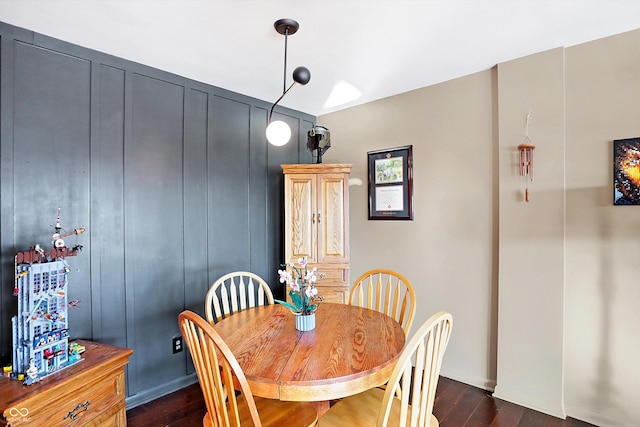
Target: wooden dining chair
(388, 292)
(226, 391)
(235, 292)
(410, 393)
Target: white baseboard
(555, 409)
(463, 377)
(594, 418)
(559, 411)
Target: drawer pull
(78, 410)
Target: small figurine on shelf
(32, 373)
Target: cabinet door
(332, 218)
(300, 217)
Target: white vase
(306, 322)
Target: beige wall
(565, 264)
(531, 237)
(448, 250)
(602, 380)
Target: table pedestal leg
(321, 407)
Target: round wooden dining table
(350, 350)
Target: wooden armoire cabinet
(316, 223)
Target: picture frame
(390, 189)
(626, 171)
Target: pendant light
(278, 132)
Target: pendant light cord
(281, 96)
(284, 77)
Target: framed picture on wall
(626, 171)
(391, 183)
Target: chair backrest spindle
(235, 292)
(388, 292)
(227, 394)
(216, 368)
(416, 373)
(407, 400)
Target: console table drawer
(114, 417)
(88, 393)
(81, 406)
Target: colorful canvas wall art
(626, 171)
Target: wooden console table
(88, 393)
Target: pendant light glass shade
(278, 133)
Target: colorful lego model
(40, 329)
(75, 350)
(7, 371)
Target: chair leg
(206, 420)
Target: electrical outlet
(177, 345)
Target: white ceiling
(379, 47)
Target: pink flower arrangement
(301, 281)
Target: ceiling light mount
(278, 132)
(286, 26)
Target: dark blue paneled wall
(173, 180)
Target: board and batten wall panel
(262, 252)
(229, 191)
(153, 236)
(172, 178)
(107, 212)
(196, 136)
(51, 141)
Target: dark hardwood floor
(456, 405)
